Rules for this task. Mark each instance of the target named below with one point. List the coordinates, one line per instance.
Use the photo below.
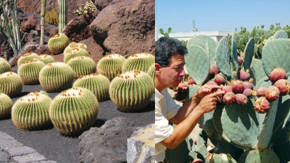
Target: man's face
(172, 74)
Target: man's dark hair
(165, 47)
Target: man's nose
(182, 73)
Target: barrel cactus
(131, 91)
(5, 105)
(74, 52)
(26, 57)
(111, 65)
(139, 61)
(97, 83)
(29, 71)
(57, 43)
(45, 58)
(74, 110)
(74, 45)
(4, 66)
(56, 76)
(151, 71)
(10, 83)
(82, 65)
(30, 112)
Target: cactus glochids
(262, 105)
(139, 61)
(4, 66)
(74, 45)
(247, 92)
(229, 98)
(276, 74)
(82, 65)
(5, 105)
(29, 71)
(247, 85)
(57, 43)
(283, 85)
(10, 83)
(272, 93)
(74, 110)
(241, 99)
(111, 65)
(46, 58)
(56, 76)
(131, 91)
(151, 71)
(30, 112)
(98, 84)
(26, 57)
(74, 52)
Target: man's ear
(157, 67)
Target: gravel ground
(54, 146)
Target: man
(169, 64)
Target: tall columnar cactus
(29, 71)
(42, 14)
(30, 112)
(62, 6)
(5, 105)
(45, 58)
(74, 52)
(26, 57)
(111, 65)
(74, 110)
(10, 83)
(75, 45)
(57, 43)
(98, 84)
(131, 91)
(82, 65)
(4, 66)
(56, 76)
(139, 61)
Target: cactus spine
(10, 83)
(5, 105)
(74, 52)
(26, 57)
(82, 65)
(74, 110)
(57, 43)
(74, 45)
(151, 71)
(42, 14)
(140, 61)
(4, 66)
(29, 71)
(46, 58)
(62, 5)
(110, 65)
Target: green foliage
(165, 34)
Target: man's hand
(206, 89)
(208, 102)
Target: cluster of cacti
(87, 10)
(82, 65)
(139, 61)
(74, 110)
(252, 86)
(111, 65)
(97, 83)
(56, 76)
(45, 58)
(10, 83)
(57, 43)
(74, 45)
(30, 112)
(26, 57)
(74, 52)
(4, 66)
(5, 105)
(29, 71)
(131, 91)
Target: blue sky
(224, 15)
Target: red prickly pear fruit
(237, 86)
(244, 75)
(261, 91)
(241, 99)
(276, 74)
(247, 85)
(219, 79)
(240, 60)
(262, 105)
(191, 81)
(247, 92)
(272, 93)
(229, 98)
(227, 89)
(211, 83)
(214, 69)
(283, 85)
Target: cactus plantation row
(75, 108)
(252, 119)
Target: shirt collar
(158, 95)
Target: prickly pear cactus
(74, 45)
(131, 91)
(57, 43)
(74, 110)
(111, 65)
(97, 83)
(265, 156)
(139, 61)
(151, 71)
(82, 65)
(56, 76)
(30, 112)
(29, 71)
(74, 52)
(10, 83)
(46, 58)
(4, 66)
(5, 105)
(26, 57)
